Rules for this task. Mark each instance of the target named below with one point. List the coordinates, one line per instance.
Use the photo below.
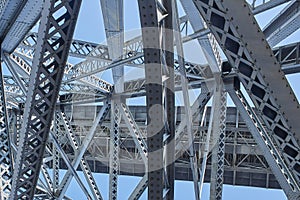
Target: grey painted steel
(42, 94)
(83, 163)
(248, 169)
(284, 24)
(113, 17)
(9, 11)
(96, 84)
(47, 178)
(169, 98)
(78, 48)
(14, 73)
(203, 152)
(197, 108)
(259, 7)
(238, 157)
(114, 148)
(186, 99)
(5, 146)
(286, 64)
(21, 23)
(24, 68)
(268, 89)
(69, 165)
(218, 136)
(280, 169)
(55, 155)
(3, 7)
(139, 189)
(153, 74)
(85, 144)
(208, 43)
(289, 58)
(135, 132)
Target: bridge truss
(60, 115)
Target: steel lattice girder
(153, 73)
(85, 144)
(271, 154)
(5, 147)
(284, 24)
(218, 136)
(261, 6)
(83, 163)
(289, 58)
(17, 19)
(239, 144)
(269, 90)
(42, 93)
(57, 38)
(79, 49)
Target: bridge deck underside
(244, 162)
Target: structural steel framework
(59, 117)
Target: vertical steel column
(113, 17)
(218, 151)
(153, 73)
(168, 42)
(59, 19)
(114, 151)
(55, 156)
(5, 148)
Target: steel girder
(83, 163)
(17, 23)
(143, 182)
(192, 69)
(289, 58)
(81, 48)
(186, 99)
(84, 146)
(261, 6)
(169, 97)
(154, 96)
(284, 24)
(272, 155)
(9, 11)
(113, 17)
(78, 48)
(248, 168)
(114, 148)
(5, 146)
(42, 93)
(217, 140)
(24, 68)
(249, 53)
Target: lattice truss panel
(59, 19)
(5, 147)
(51, 126)
(273, 99)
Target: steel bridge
(58, 114)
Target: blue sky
(90, 28)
